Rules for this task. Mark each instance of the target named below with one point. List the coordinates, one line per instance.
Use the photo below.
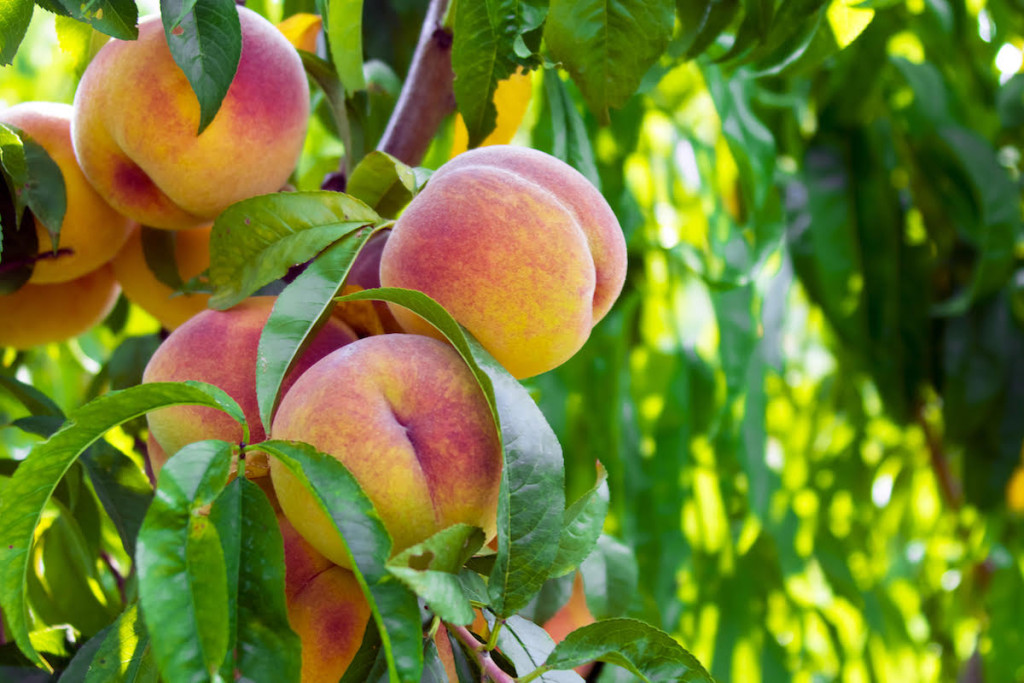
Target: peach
(136, 120)
(92, 231)
(142, 288)
(220, 347)
(326, 609)
(40, 314)
(518, 246)
(405, 415)
(573, 615)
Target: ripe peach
(518, 246)
(142, 288)
(404, 414)
(40, 314)
(220, 347)
(326, 608)
(136, 118)
(92, 231)
(573, 615)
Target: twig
(951, 492)
(427, 95)
(490, 668)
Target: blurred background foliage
(810, 396)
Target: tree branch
(490, 668)
(427, 95)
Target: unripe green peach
(518, 246)
(220, 347)
(92, 231)
(406, 416)
(136, 119)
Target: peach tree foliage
(896, 216)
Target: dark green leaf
(256, 241)
(267, 648)
(43, 191)
(158, 250)
(345, 35)
(482, 55)
(430, 570)
(531, 501)
(15, 17)
(205, 38)
(299, 312)
(121, 652)
(36, 478)
(18, 246)
(368, 546)
(384, 183)
(560, 129)
(366, 658)
(608, 47)
(183, 583)
(703, 21)
(122, 488)
(116, 18)
(635, 646)
(583, 523)
(610, 576)
(34, 400)
(128, 361)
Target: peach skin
(220, 347)
(518, 246)
(40, 314)
(136, 118)
(144, 289)
(92, 231)
(405, 415)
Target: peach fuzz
(220, 347)
(41, 314)
(136, 120)
(142, 288)
(326, 608)
(518, 246)
(91, 230)
(407, 418)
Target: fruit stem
(427, 96)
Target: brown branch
(427, 96)
(489, 667)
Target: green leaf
(15, 17)
(267, 647)
(158, 250)
(583, 523)
(34, 400)
(366, 658)
(635, 646)
(121, 652)
(43, 191)
(116, 18)
(36, 478)
(531, 501)
(183, 584)
(299, 312)
(608, 47)
(610, 576)
(482, 54)
(528, 646)
(256, 241)
(368, 545)
(19, 246)
(560, 129)
(703, 21)
(122, 488)
(430, 569)
(384, 183)
(205, 38)
(345, 35)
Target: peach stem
(490, 668)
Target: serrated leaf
(206, 43)
(368, 545)
(384, 183)
(608, 47)
(583, 523)
(15, 16)
(637, 647)
(267, 647)
(484, 36)
(299, 312)
(430, 570)
(183, 584)
(37, 476)
(345, 34)
(257, 240)
(531, 500)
